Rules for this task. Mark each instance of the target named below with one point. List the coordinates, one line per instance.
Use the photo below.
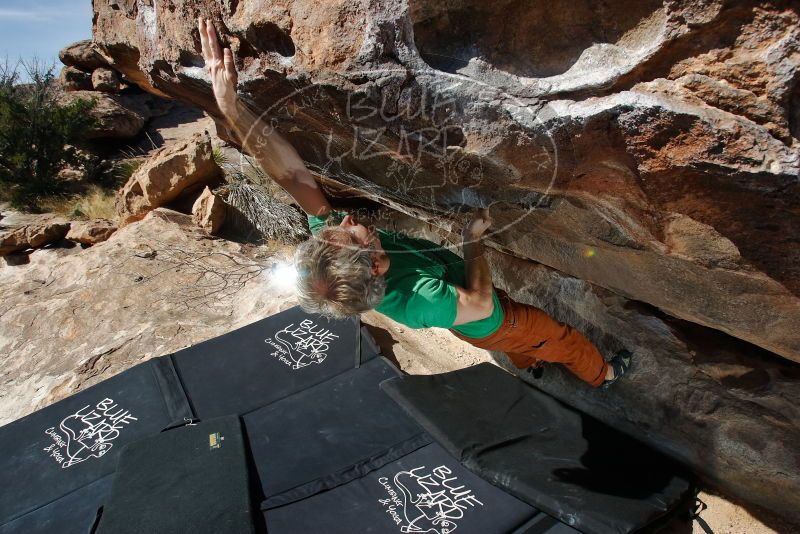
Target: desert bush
(38, 134)
(254, 209)
(124, 169)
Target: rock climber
(346, 268)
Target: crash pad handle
(187, 421)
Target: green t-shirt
(421, 284)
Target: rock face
(91, 232)
(116, 117)
(208, 211)
(35, 232)
(87, 74)
(60, 336)
(105, 80)
(83, 56)
(73, 79)
(650, 148)
(169, 172)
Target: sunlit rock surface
(661, 137)
(72, 317)
(169, 172)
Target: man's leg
(536, 335)
(528, 334)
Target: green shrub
(37, 134)
(123, 170)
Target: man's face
(360, 233)
(368, 239)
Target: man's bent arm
(475, 302)
(274, 153)
(279, 159)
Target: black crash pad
(342, 457)
(553, 457)
(329, 451)
(235, 373)
(426, 491)
(187, 479)
(64, 447)
(268, 360)
(74, 513)
(329, 434)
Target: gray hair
(335, 275)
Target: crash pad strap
(177, 403)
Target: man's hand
(221, 67)
(481, 221)
(274, 153)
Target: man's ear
(374, 269)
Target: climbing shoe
(621, 362)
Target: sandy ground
(724, 517)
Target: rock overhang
(606, 164)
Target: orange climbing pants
(528, 335)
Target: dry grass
(254, 208)
(259, 207)
(95, 203)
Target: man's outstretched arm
(475, 301)
(272, 151)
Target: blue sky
(42, 27)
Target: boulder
(162, 178)
(83, 56)
(35, 234)
(146, 105)
(208, 211)
(105, 80)
(590, 132)
(113, 119)
(73, 79)
(91, 232)
(119, 116)
(648, 149)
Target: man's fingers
(201, 27)
(213, 43)
(230, 66)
